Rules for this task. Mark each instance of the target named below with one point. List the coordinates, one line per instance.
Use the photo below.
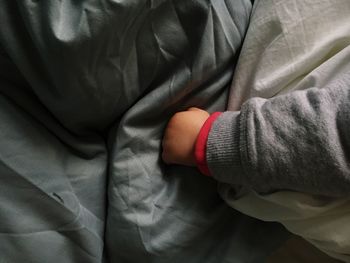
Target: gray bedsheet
(86, 89)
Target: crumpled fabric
(87, 88)
(295, 45)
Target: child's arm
(299, 141)
(181, 135)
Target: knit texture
(223, 150)
(299, 141)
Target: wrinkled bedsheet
(86, 89)
(295, 45)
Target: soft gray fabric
(292, 150)
(52, 183)
(87, 88)
(299, 141)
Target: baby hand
(180, 136)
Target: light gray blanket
(86, 90)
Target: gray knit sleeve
(299, 141)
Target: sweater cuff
(201, 144)
(223, 151)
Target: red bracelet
(201, 144)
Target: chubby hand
(180, 136)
